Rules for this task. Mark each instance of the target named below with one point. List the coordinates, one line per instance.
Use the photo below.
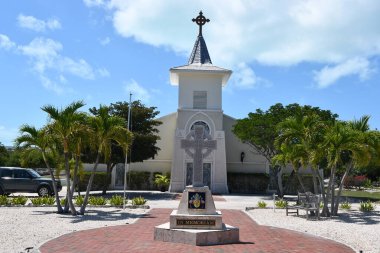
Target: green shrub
(345, 205)
(367, 183)
(19, 200)
(117, 200)
(281, 203)
(97, 183)
(97, 201)
(162, 181)
(247, 183)
(63, 202)
(261, 204)
(4, 200)
(49, 200)
(139, 180)
(43, 201)
(366, 206)
(79, 200)
(138, 201)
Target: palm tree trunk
(333, 195)
(89, 185)
(289, 182)
(300, 181)
(348, 169)
(332, 190)
(59, 207)
(328, 195)
(279, 183)
(107, 177)
(105, 183)
(75, 176)
(325, 210)
(69, 197)
(315, 184)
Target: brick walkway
(138, 237)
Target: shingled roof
(200, 54)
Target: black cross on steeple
(200, 20)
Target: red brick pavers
(138, 237)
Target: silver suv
(14, 179)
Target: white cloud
(45, 55)
(5, 42)
(103, 72)
(37, 25)
(105, 41)
(51, 85)
(356, 66)
(245, 78)
(272, 32)
(92, 3)
(138, 91)
(50, 65)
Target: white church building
(200, 86)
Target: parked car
(13, 179)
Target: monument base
(210, 221)
(198, 237)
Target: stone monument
(197, 221)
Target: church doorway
(206, 174)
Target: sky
(322, 53)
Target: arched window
(201, 123)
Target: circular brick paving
(138, 237)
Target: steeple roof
(200, 54)
(199, 61)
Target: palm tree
(298, 135)
(65, 123)
(79, 141)
(105, 129)
(345, 147)
(358, 153)
(38, 139)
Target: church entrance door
(206, 174)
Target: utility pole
(126, 165)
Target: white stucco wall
(253, 161)
(163, 160)
(212, 83)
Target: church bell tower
(199, 103)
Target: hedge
(97, 184)
(294, 187)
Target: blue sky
(321, 53)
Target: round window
(201, 123)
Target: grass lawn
(374, 196)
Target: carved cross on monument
(201, 143)
(201, 21)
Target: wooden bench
(308, 202)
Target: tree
(346, 148)
(297, 137)
(64, 124)
(14, 158)
(105, 128)
(33, 139)
(259, 130)
(145, 134)
(4, 155)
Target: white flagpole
(126, 165)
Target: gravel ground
(353, 228)
(26, 227)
